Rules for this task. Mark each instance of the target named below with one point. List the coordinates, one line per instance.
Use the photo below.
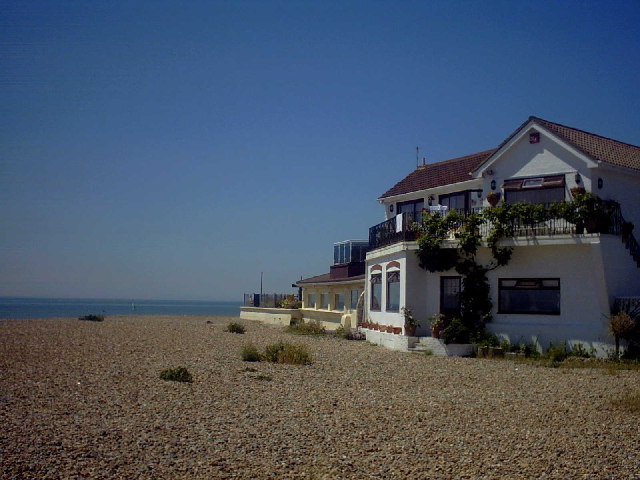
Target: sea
(29, 308)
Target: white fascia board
(591, 163)
(469, 184)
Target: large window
(324, 301)
(338, 301)
(412, 209)
(376, 291)
(355, 296)
(458, 201)
(393, 291)
(529, 295)
(450, 296)
(538, 190)
(311, 300)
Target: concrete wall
(330, 320)
(271, 316)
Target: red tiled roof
(436, 174)
(326, 278)
(599, 148)
(456, 170)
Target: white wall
(524, 159)
(624, 188)
(383, 317)
(622, 275)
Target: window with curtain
(537, 190)
(529, 296)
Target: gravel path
(84, 400)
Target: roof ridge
(455, 159)
(533, 117)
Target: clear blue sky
(175, 150)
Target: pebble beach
(84, 400)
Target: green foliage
(311, 328)
(294, 355)
(284, 352)
(290, 302)
(235, 327)
(92, 318)
(433, 229)
(250, 353)
(456, 332)
(475, 297)
(179, 374)
(409, 319)
(557, 352)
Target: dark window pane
(393, 291)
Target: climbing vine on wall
(475, 297)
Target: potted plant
(493, 198)
(397, 330)
(410, 322)
(437, 324)
(577, 191)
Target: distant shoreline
(38, 307)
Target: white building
(561, 282)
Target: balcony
(391, 232)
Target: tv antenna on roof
(417, 157)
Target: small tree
(622, 326)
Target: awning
(553, 181)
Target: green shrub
(235, 327)
(530, 350)
(272, 351)
(180, 374)
(280, 352)
(250, 353)
(294, 355)
(557, 353)
(456, 332)
(311, 328)
(92, 318)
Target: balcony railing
(390, 231)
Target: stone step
(428, 343)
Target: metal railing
(610, 221)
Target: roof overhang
(345, 281)
(522, 132)
(467, 184)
